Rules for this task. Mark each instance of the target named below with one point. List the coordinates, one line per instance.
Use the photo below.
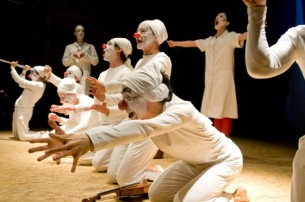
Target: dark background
(35, 32)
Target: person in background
(207, 161)
(219, 100)
(264, 61)
(81, 54)
(32, 92)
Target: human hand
(62, 146)
(100, 107)
(54, 117)
(62, 109)
(14, 64)
(96, 88)
(170, 43)
(255, 3)
(47, 71)
(27, 67)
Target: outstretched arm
(185, 44)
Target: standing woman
(219, 99)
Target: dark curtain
(296, 93)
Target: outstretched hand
(62, 146)
(100, 107)
(62, 109)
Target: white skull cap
(158, 28)
(147, 82)
(39, 69)
(76, 71)
(126, 47)
(67, 86)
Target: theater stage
(266, 174)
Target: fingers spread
(36, 149)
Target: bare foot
(240, 195)
(156, 168)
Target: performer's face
(135, 105)
(221, 21)
(70, 74)
(34, 75)
(144, 36)
(109, 51)
(67, 98)
(79, 32)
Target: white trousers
(298, 173)
(129, 162)
(101, 160)
(197, 183)
(20, 123)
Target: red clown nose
(104, 46)
(136, 35)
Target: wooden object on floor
(137, 189)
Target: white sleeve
(263, 61)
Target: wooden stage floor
(266, 174)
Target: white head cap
(76, 71)
(39, 69)
(67, 86)
(147, 82)
(126, 47)
(158, 28)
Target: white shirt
(180, 131)
(265, 62)
(33, 91)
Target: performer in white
(117, 52)
(81, 54)
(219, 98)
(32, 91)
(207, 161)
(266, 62)
(77, 121)
(72, 72)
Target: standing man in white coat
(219, 98)
(81, 54)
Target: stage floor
(266, 174)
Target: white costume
(207, 160)
(77, 121)
(160, 59)
(142, 152)
(219, 97)
(80, 121)
(101, 158)
(32, 92)
(90, 58)
(265, 62)
(55, 80)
